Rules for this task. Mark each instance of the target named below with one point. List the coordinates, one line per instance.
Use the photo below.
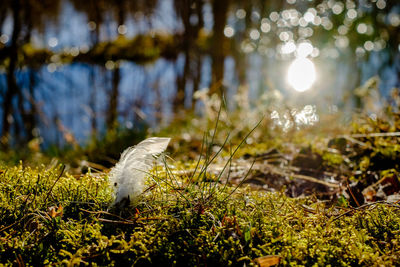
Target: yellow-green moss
(174, 228)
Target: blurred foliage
(98, 153)
(374, 141)
(140, 49)
(109, 148)
(101, 152)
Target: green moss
(332, 159)
(174, 228)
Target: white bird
(128, 175)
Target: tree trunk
(12, 87)
(28, 115)
(187, 9)
(184, 10)
(220, 9)
(197, 78)
(31, 119)
(198, 55)
(112, 115)
(113, 100)
(179, 101)
(95, 37)
(92, 101)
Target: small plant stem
(51, 188)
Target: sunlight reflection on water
(301, 74)
(306, 116)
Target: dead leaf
(56, 211)
(267, 261)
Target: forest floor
(257, 198)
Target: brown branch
(302, 177)
(391, 134)
(364, 206)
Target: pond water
(71, 95)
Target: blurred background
(72, 71)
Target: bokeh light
(301, 74)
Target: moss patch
(47, 217)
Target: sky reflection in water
(293, 64)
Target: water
(70, 96)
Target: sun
(301, 74)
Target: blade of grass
(240, 184)
(51, 188)
(237, 148)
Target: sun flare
(301, 74)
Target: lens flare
(301, 74)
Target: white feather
(127, 176)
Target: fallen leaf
(267, 261)
(56, 211)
